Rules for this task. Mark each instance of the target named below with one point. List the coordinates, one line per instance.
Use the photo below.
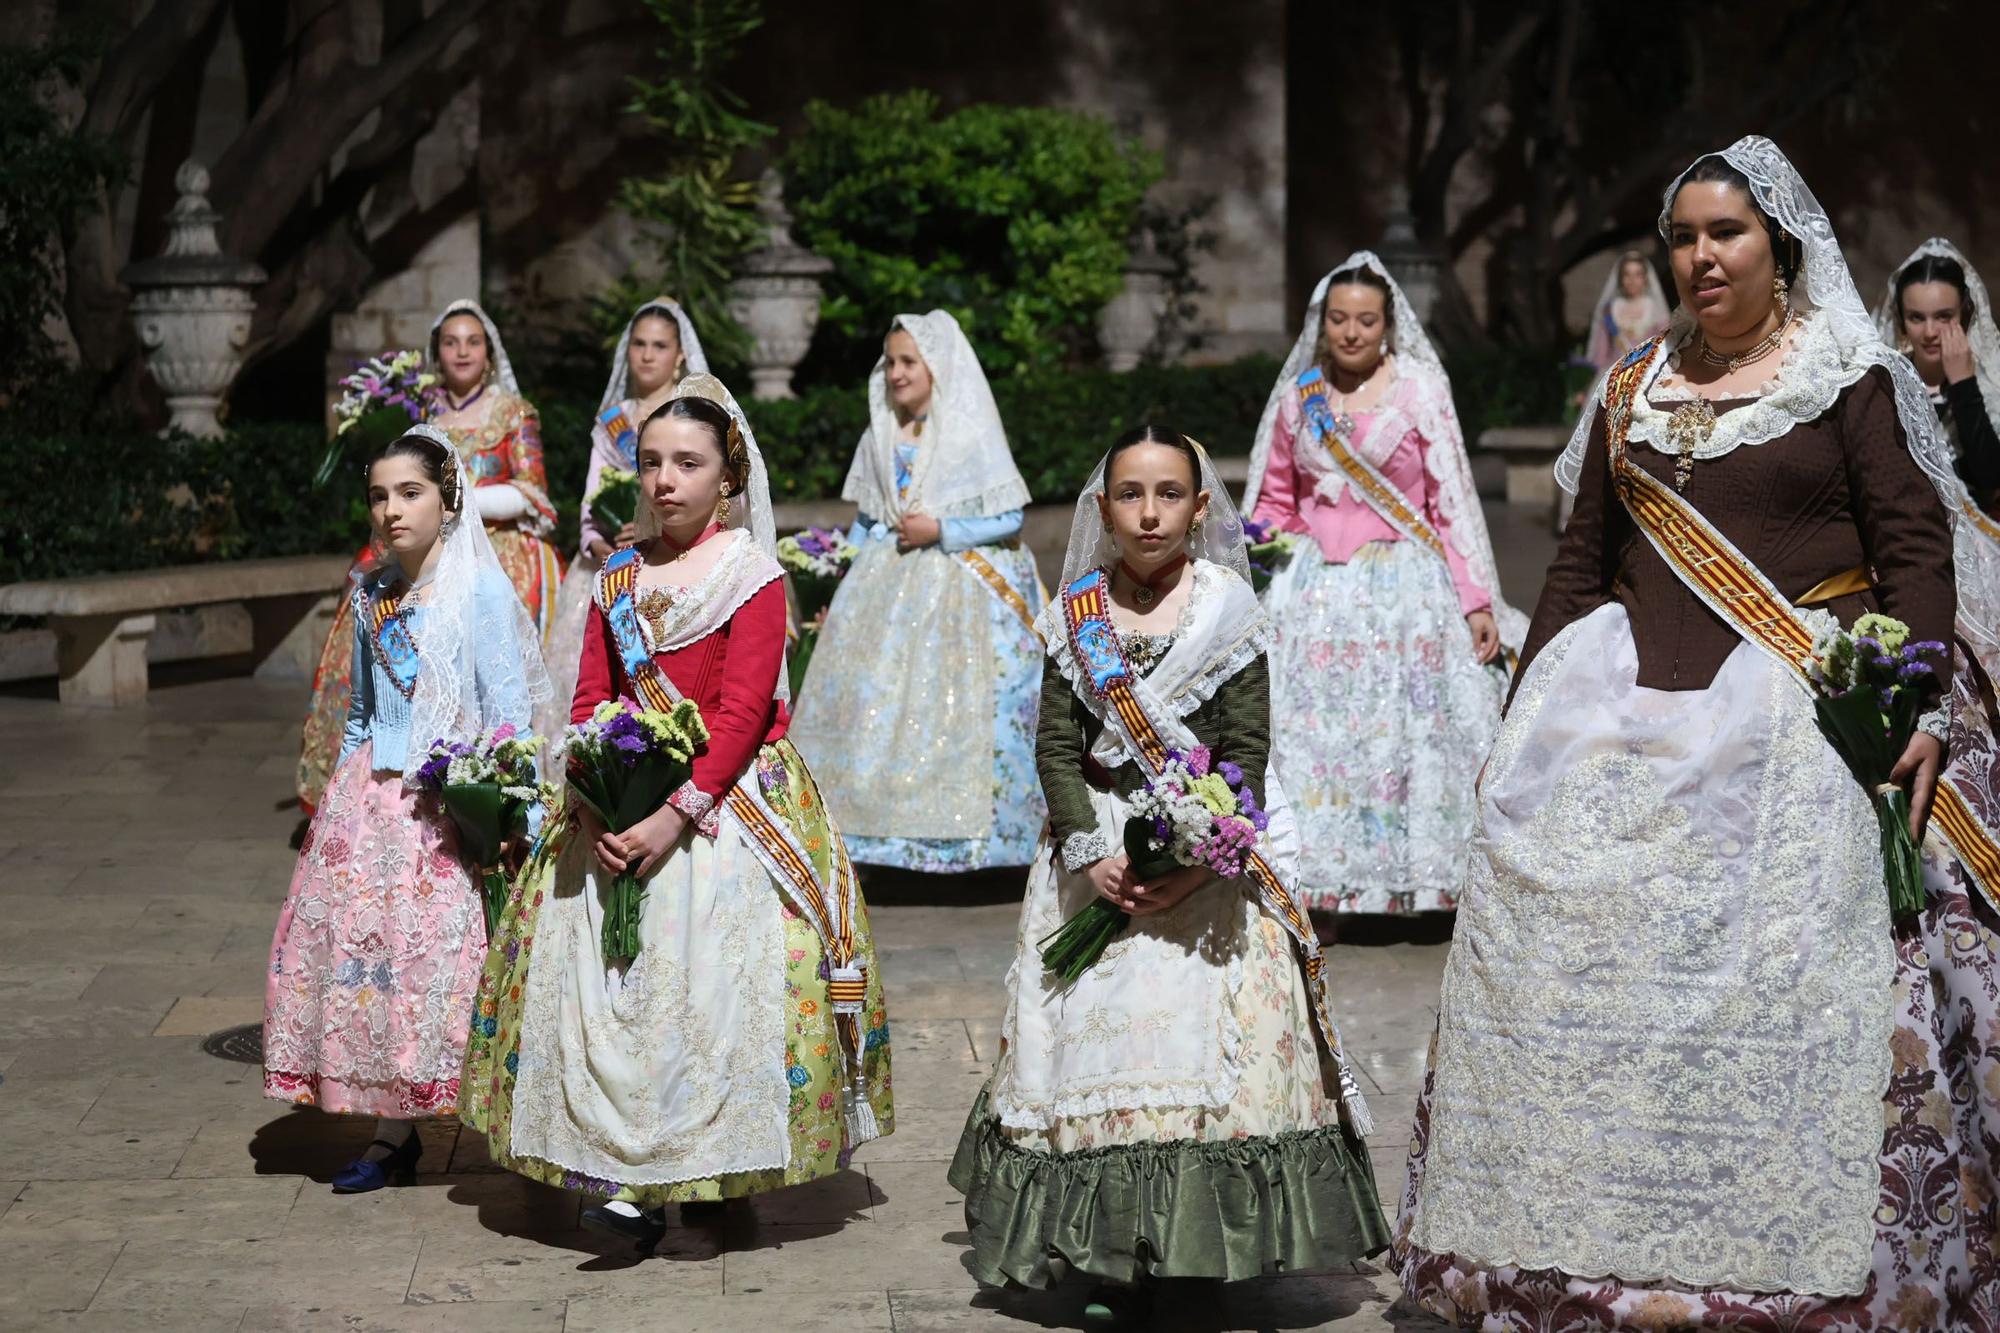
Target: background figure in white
(1386, 679)
(918, 711)
(658, 348)
(1630, 309)
(1937, 313)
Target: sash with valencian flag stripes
(1732, 587)
(1095, 644)
(768, 835)
(618, 428)
(1376, 490)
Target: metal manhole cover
(244, 1045)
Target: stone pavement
(145, 1184)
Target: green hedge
(91, 501)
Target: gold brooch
(1687, 430)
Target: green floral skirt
(813, 1061)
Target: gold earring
(1194, 527)
(1780, 289)
(722, 511)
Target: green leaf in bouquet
(800, 658)
(372, 431)
(1147, 863)
(479, 809)
(615, 504)
(813, 592)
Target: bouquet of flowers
(815, 560)
(624, 763)
(1193, 813)
(1870, 686)
(382, 399)
(615, 502)
(486, 786)
(1270, 550)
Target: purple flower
(1231, 774)
(1913, 670)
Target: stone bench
(1530, 453)
(103, 623)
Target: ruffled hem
(1183, 1208)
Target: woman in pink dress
(1386, 681)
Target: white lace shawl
(963, 467)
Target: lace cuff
(1081, 849)
(697, 805)
(1937, 722)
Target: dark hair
(703, 412)
(1937, 268)
(434, 458)
(1363, 276)
(1787, 250)
(1152, 434)
(657, 311)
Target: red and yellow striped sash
(1734, 588)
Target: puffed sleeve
(525, 468)
(1904, 528)
(1278, 496)
(1061, 736)
(1472, 594)
(595, 679)
(361, 691)
(753, 654)
(1579, 578)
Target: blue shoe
(361, 1176)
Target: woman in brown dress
(1677, 1016)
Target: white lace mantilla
(1665, 1021)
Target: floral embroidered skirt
(924, 628)
(376, 956)
(534, 568)
(1103, 1164)
(1936, 1266)
(1380, 719)
(709, 1067)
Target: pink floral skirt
(376, 958)
(1937, 1227)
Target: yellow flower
(1888, 631)
(1213, 792)
(807, 1008)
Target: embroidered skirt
(1380, 719)
(376, 956)
(919, 709)
(709, 1067)
(1133, 1137)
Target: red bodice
(730, 675)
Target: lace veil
(480, 657)
(693, 360)
(1445, 460)
(1220, 540)
(1982, 334)
(503, 369)
(964, 468)
(1848, 335)
(1598, 347)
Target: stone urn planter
(192, 308)
(1130, 321)
(776, 296)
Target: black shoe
(362, 1176)
(646, 1230)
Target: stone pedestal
(1129, 325)
(192, 309)
(776, 298)
(101, 660)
